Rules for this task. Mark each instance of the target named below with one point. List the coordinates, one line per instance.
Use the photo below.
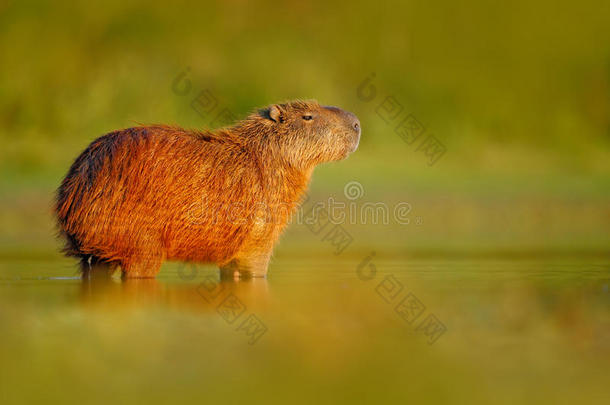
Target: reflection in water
(204, 294)
(522, 331)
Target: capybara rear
(139, 196)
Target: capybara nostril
(353, 122)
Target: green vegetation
(515, 87)
(518, 94)
(508, 238)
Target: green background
(508, 238)
(518, 94)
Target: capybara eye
(307, 117)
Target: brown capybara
(139, 196)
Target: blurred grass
(519, 93)
(497, 83)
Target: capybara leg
(247, 267)
(91, 267)
(141, 267)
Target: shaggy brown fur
(139, 196)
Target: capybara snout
(128, 199)
(353, 123)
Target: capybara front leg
(246, 267)
(92, 267)
(141, 266)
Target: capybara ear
(276, 113)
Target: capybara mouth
(355, 144)
(356, 127)
(355, 140)
(350, 147)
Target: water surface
(351, 330)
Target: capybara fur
(139, 196)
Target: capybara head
(307, 133)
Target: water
(433, 330)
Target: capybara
(139, 196)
